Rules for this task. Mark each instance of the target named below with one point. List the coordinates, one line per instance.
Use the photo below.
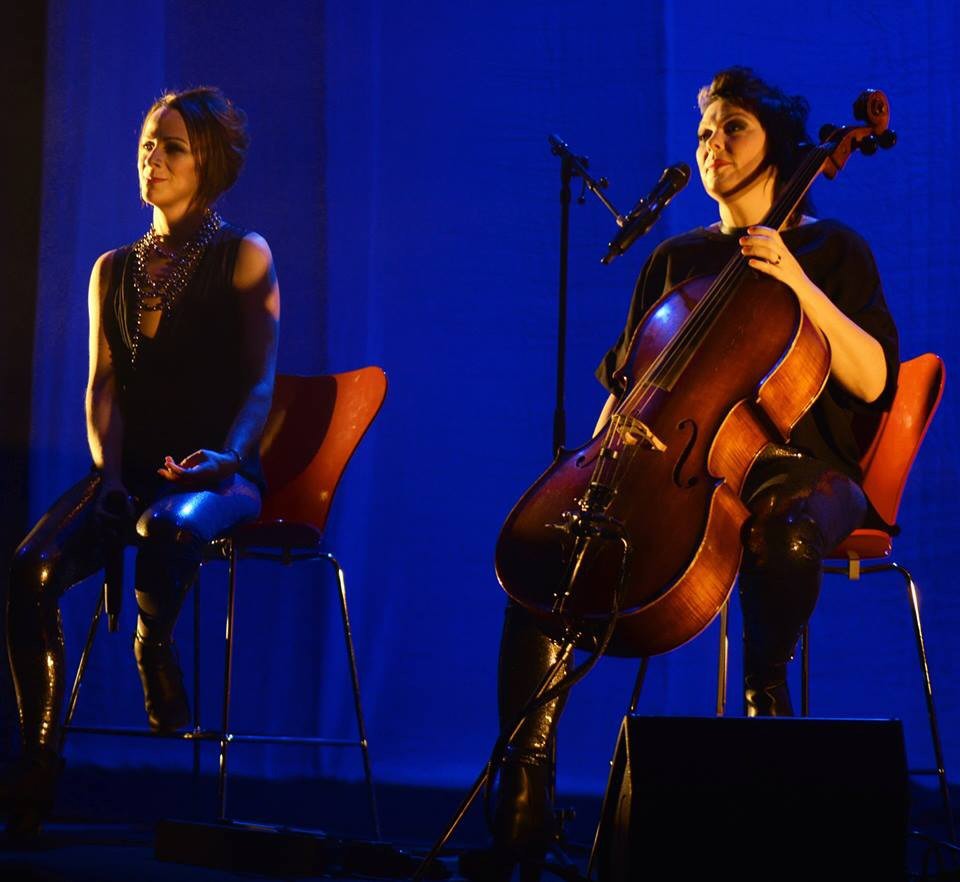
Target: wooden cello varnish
(719, 368)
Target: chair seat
(277, 534)
(863, 544)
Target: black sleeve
(651, 283)
(856, 289)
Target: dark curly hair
(218, 137)
(783, 117)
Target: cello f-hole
(684, 455)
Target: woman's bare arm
(104, 423)
(856, 358)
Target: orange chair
(886, 466)
(315, 425)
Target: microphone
(644, 214)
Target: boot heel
(32, 794)
(164, 695)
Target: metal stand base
(484, 776)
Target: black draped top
(187, 383)
(841, 264)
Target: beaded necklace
(156, 294)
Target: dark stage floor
(106, 827)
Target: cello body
(641, 527)
(675, 482)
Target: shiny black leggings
(67, 545)
(800, 510)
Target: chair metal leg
(227, 682)
(617, 763)
(355, 680)
(638, 684)
(805, 670)
(81, 668)
(913, 596)
(723, 659)
(196, 680)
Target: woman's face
(731, 150)
(169, 176)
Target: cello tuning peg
(826, 130)
(868, 146)
(887, 139)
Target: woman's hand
(856, 359)
(768, 254)
(202, 468)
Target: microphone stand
(586, 524)
(571, 166)
(589, 523)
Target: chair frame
(231, 549)
(853, 568)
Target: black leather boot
(523, 812)
(800, 509)
(765, 692)
(523, 824)
(164, 696)
(31, 794)
(779, 583)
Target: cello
(639, 529)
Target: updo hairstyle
(783, 117)
(218, 137)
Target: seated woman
(183, 341)
(804, 498)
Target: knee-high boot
(165, 572)
(779, 585)
(523, 816)
(36, 654)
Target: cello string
(685, 342)
(718, 296)
(688, 338)
(677, 351)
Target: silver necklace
(156, 294)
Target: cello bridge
(634, 431)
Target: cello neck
(829, 157)
(795, 189)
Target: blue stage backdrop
(400, 171)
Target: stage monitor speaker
(764, 798)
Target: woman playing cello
(803, 497)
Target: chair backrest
(315, 424)
(887, 462)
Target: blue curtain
(401, 172)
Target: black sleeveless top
(188, 382)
